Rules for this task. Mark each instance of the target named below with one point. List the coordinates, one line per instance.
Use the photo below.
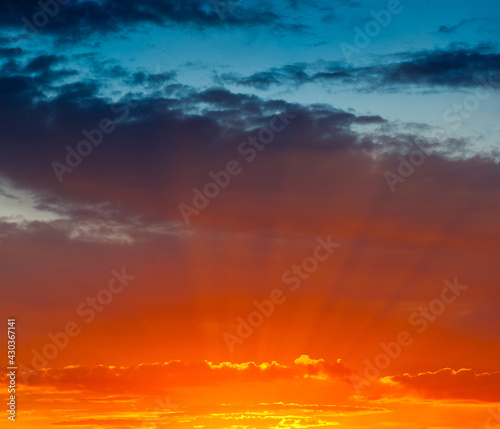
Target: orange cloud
(161, 376)
(450, 384)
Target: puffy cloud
(161, 377)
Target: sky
(250, 215)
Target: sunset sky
(241, 214)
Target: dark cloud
(19, 88)
(41, 68)
(155, 135)
(449, 29)
(150, 79)
(453, 68)
(260, 80)
(10, 52)
(79, 19)
(43, 63)
(290, 75)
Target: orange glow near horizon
(323, 352)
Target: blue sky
(294, 32)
